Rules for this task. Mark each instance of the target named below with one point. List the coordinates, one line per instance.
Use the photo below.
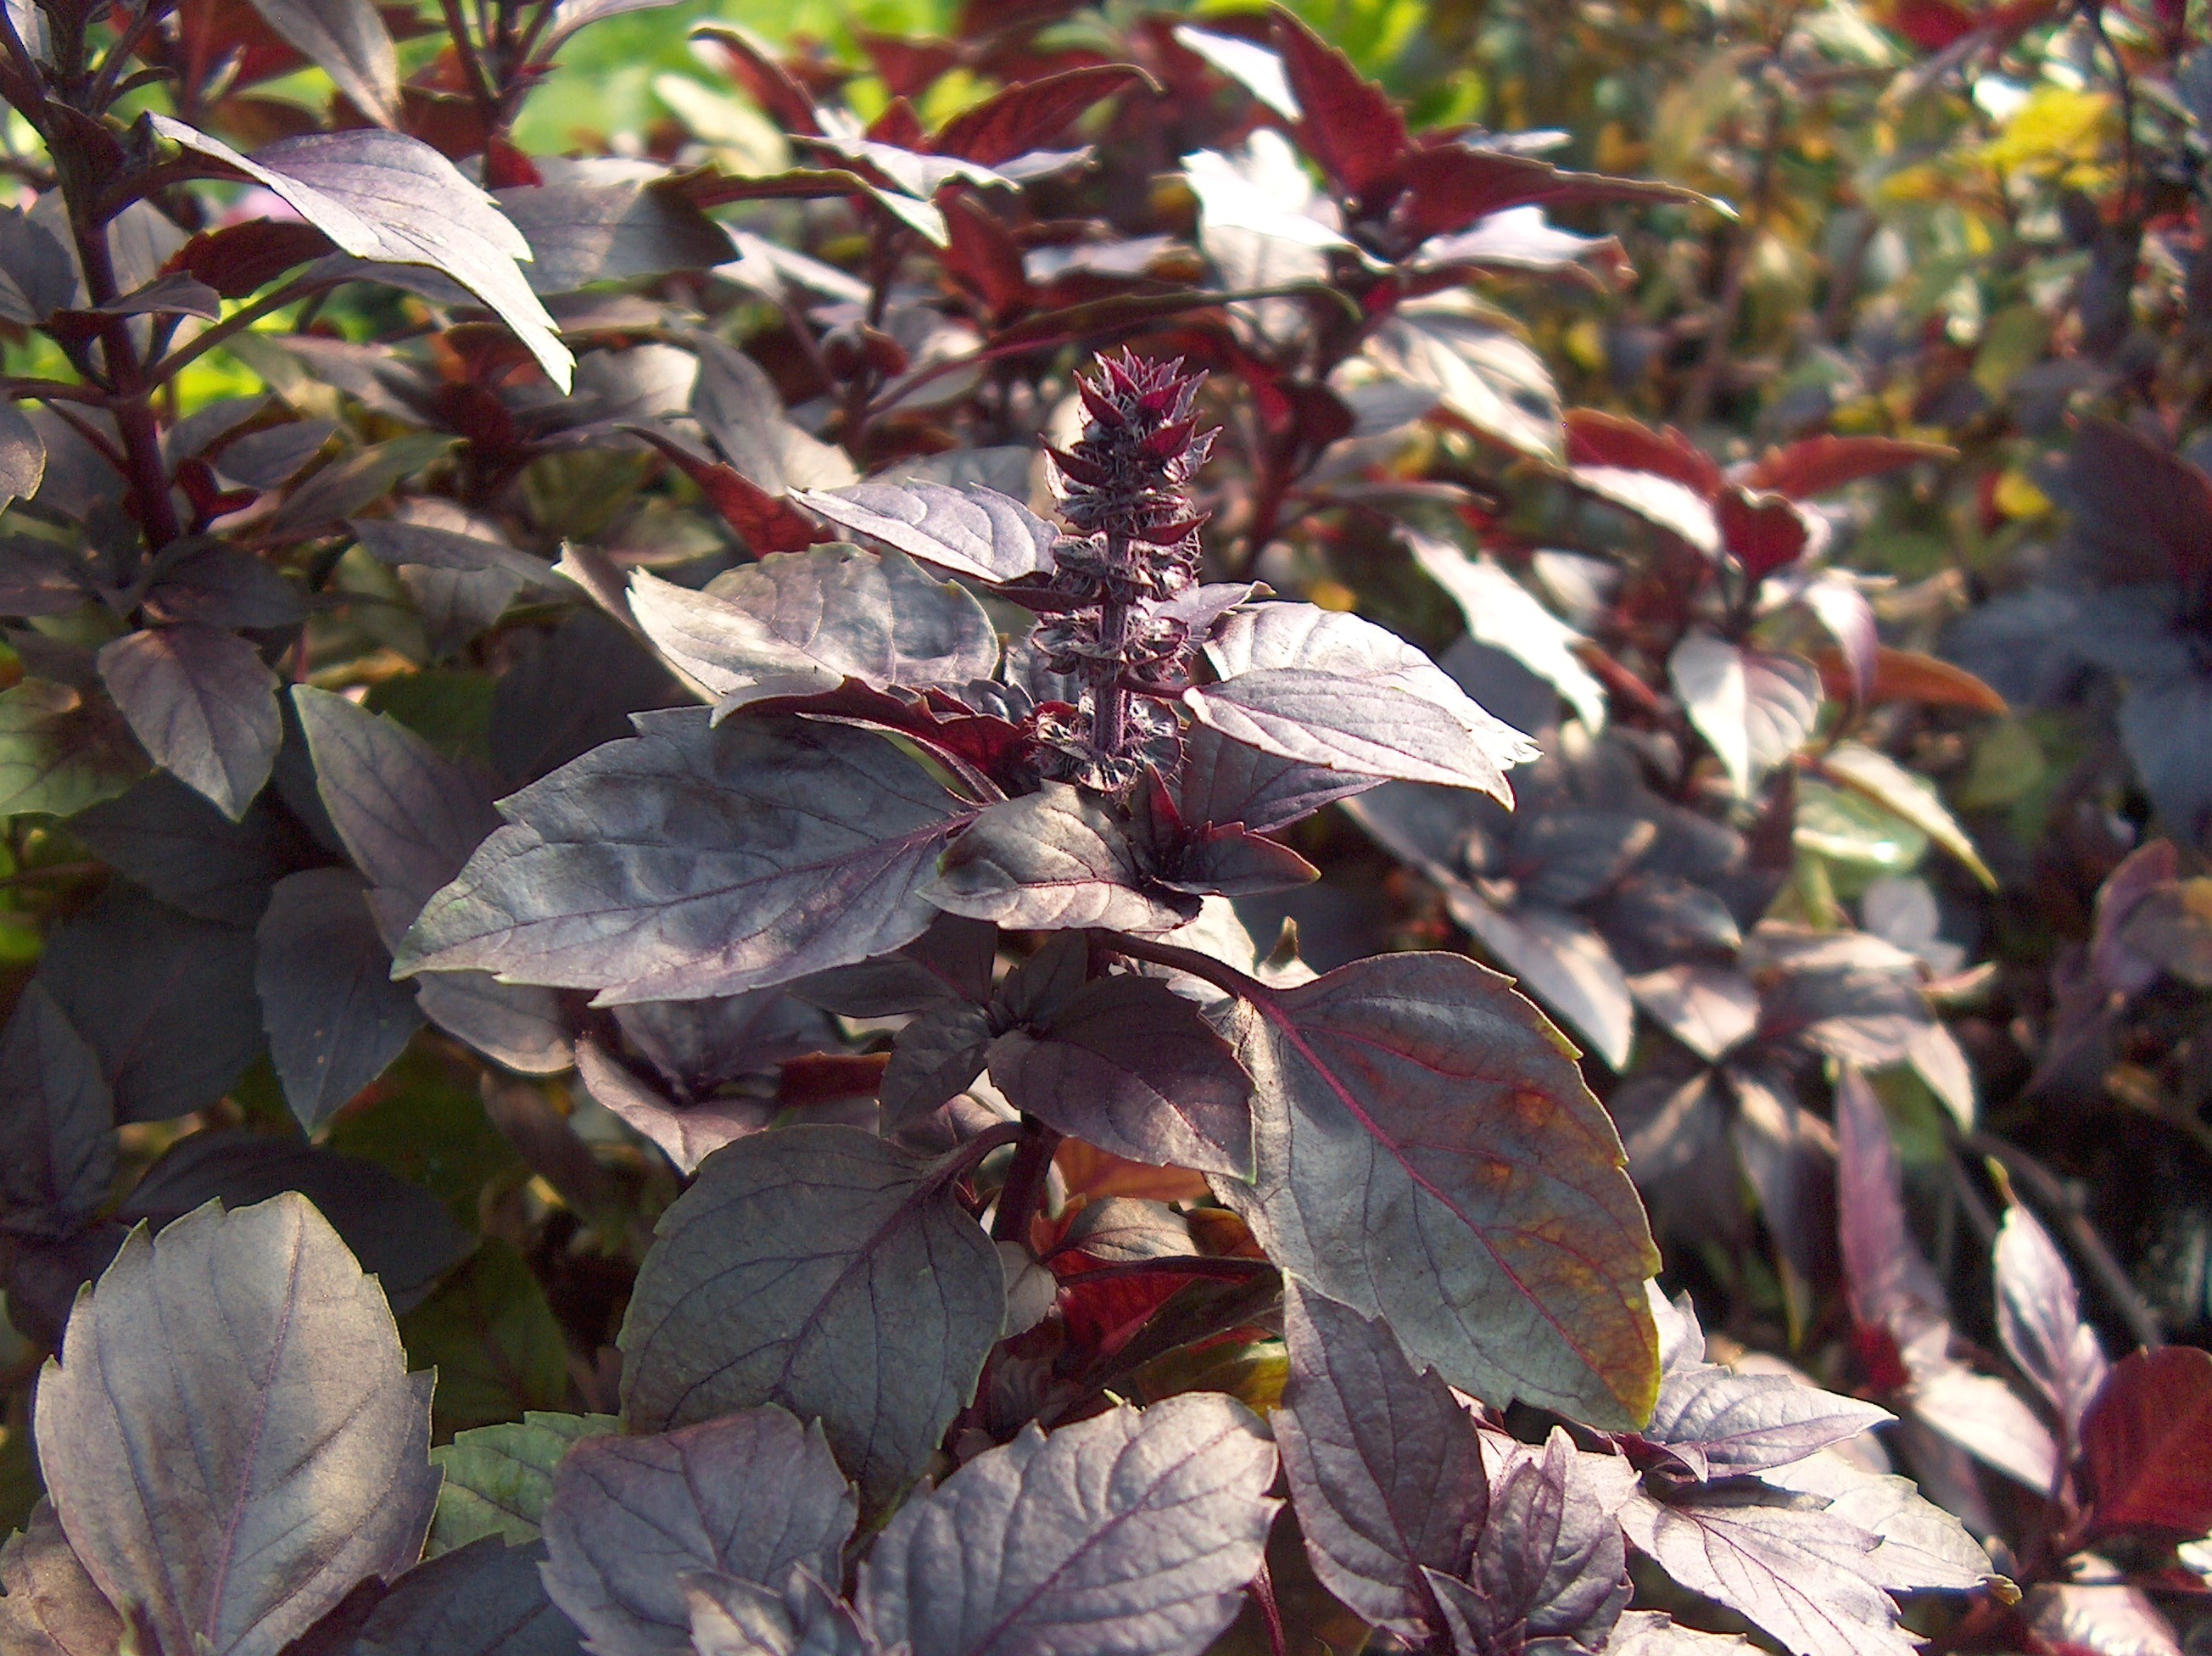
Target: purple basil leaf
(1501, 613)
(1921, 1548)
(57, 1121)
(271, 458)
(203, 703)
(1551, 1558)
(1788, 1156)
(334, 1018)
(1425, 1152)
(38, 577)
(2039, 1319)
(827, 1271)
(483, 1600)
(1719, 1423)
(394, 200)
(1224, 781)
(700, 1045)
(569, 15)
(1473, 367)
(2157, 722)
(950, 961)
(688, 1133)
(2144, 511)
(1130, 1066)
(399, 1232)
(1335, 691)
(347, 40)
(977, 533)
(574, 691)
(165, 1001)
(935, 1056)
(1563, 962)
(731, 1617)
(695, 859)
(1117, 1228)
(231, 1437)
(1232, 862)
(2110, 1619)
(1860, 1016)
(432, 534)
(1133, 1530)
(1673, 1121)
(1649, 1633)
(582, 232)
(408, 817)
(2140, 1439)
(797, 624)
(219, 586)
(1059, 857)
(749, 1494)
(1753, 709)
(1384, 1464)
(1571, 854)
(739, 405)
(22, 453)
(1709, 1009)
(51, 1607)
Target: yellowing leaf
(2055, 127)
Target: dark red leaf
(1907, 675)
(1030, 115)
(1450, 186)
(768, 522)
(2147, 1446)
(1349, 124)
(1595, 439)
(1764, 532)
(909, 67)
(769, 82)
(982, 258)
(899, 126)
(2149, 512)
(240, 259)
(1819, 464)
(1931, 25)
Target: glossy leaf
(1427, 1152)
(1755, 709)
(394, 200)
(1563, 962)
(230, 1436)
(801, 623)
(749, 1494)
(583, 232)
(1133, 1529)
(1130, 1066)
(1879, 778)
(972, 532)
(1476, 371)
(2039, 1319)
(1384, 1465)
(1055, 858)
(1500, 612)
(1347, 123)
(1224, 781)
(1029, 114)
(694, 860)
(826, 1271)
(1332, 691)
(1817, 465)
(205, 705)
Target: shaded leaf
(694, 860)
(52, 1607)
(581, 232)
(499, 1478)
(230, 1436)
(485, 1599)
(738, 404)
(493, 1339)
(334, 1017)
(1428, 1153)
(60, 751)
(203, 704)
(1130, 1066)
(977, 533)
(688, 1133)
(1334, 691)
(826, 1271)
(347, 40)
(57, 1121)
(749, 1494)
(1347, 123)
(1384, 1465)
(1224, 781)
(1132, 1530)
(165, 1001)
(22, 453)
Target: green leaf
(498, 1350)
(60, 753)
(499, 1478)
(1881, 779)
